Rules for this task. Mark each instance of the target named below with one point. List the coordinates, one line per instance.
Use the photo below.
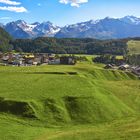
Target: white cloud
(13, 6)
(75, 3)
(9, 2)
(13, 9)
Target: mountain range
(21, 29)
(107, 28)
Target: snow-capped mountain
(107, 28)
(21, 29)
(131, 20)
(25, 26)
(16, 31)
(46, 29)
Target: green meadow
(60, 102)
(134, 47)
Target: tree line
(5, 40)
(70, 46)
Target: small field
(57, 102)
(133, 47)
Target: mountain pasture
(134, 47)
(59, 102)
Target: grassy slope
(117, 130)
(92, 96)
(134, 47)
(12, 129)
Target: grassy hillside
(80, 102)
(134, 47)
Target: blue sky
(62, 12)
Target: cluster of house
(34, 59)
(125, 67)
